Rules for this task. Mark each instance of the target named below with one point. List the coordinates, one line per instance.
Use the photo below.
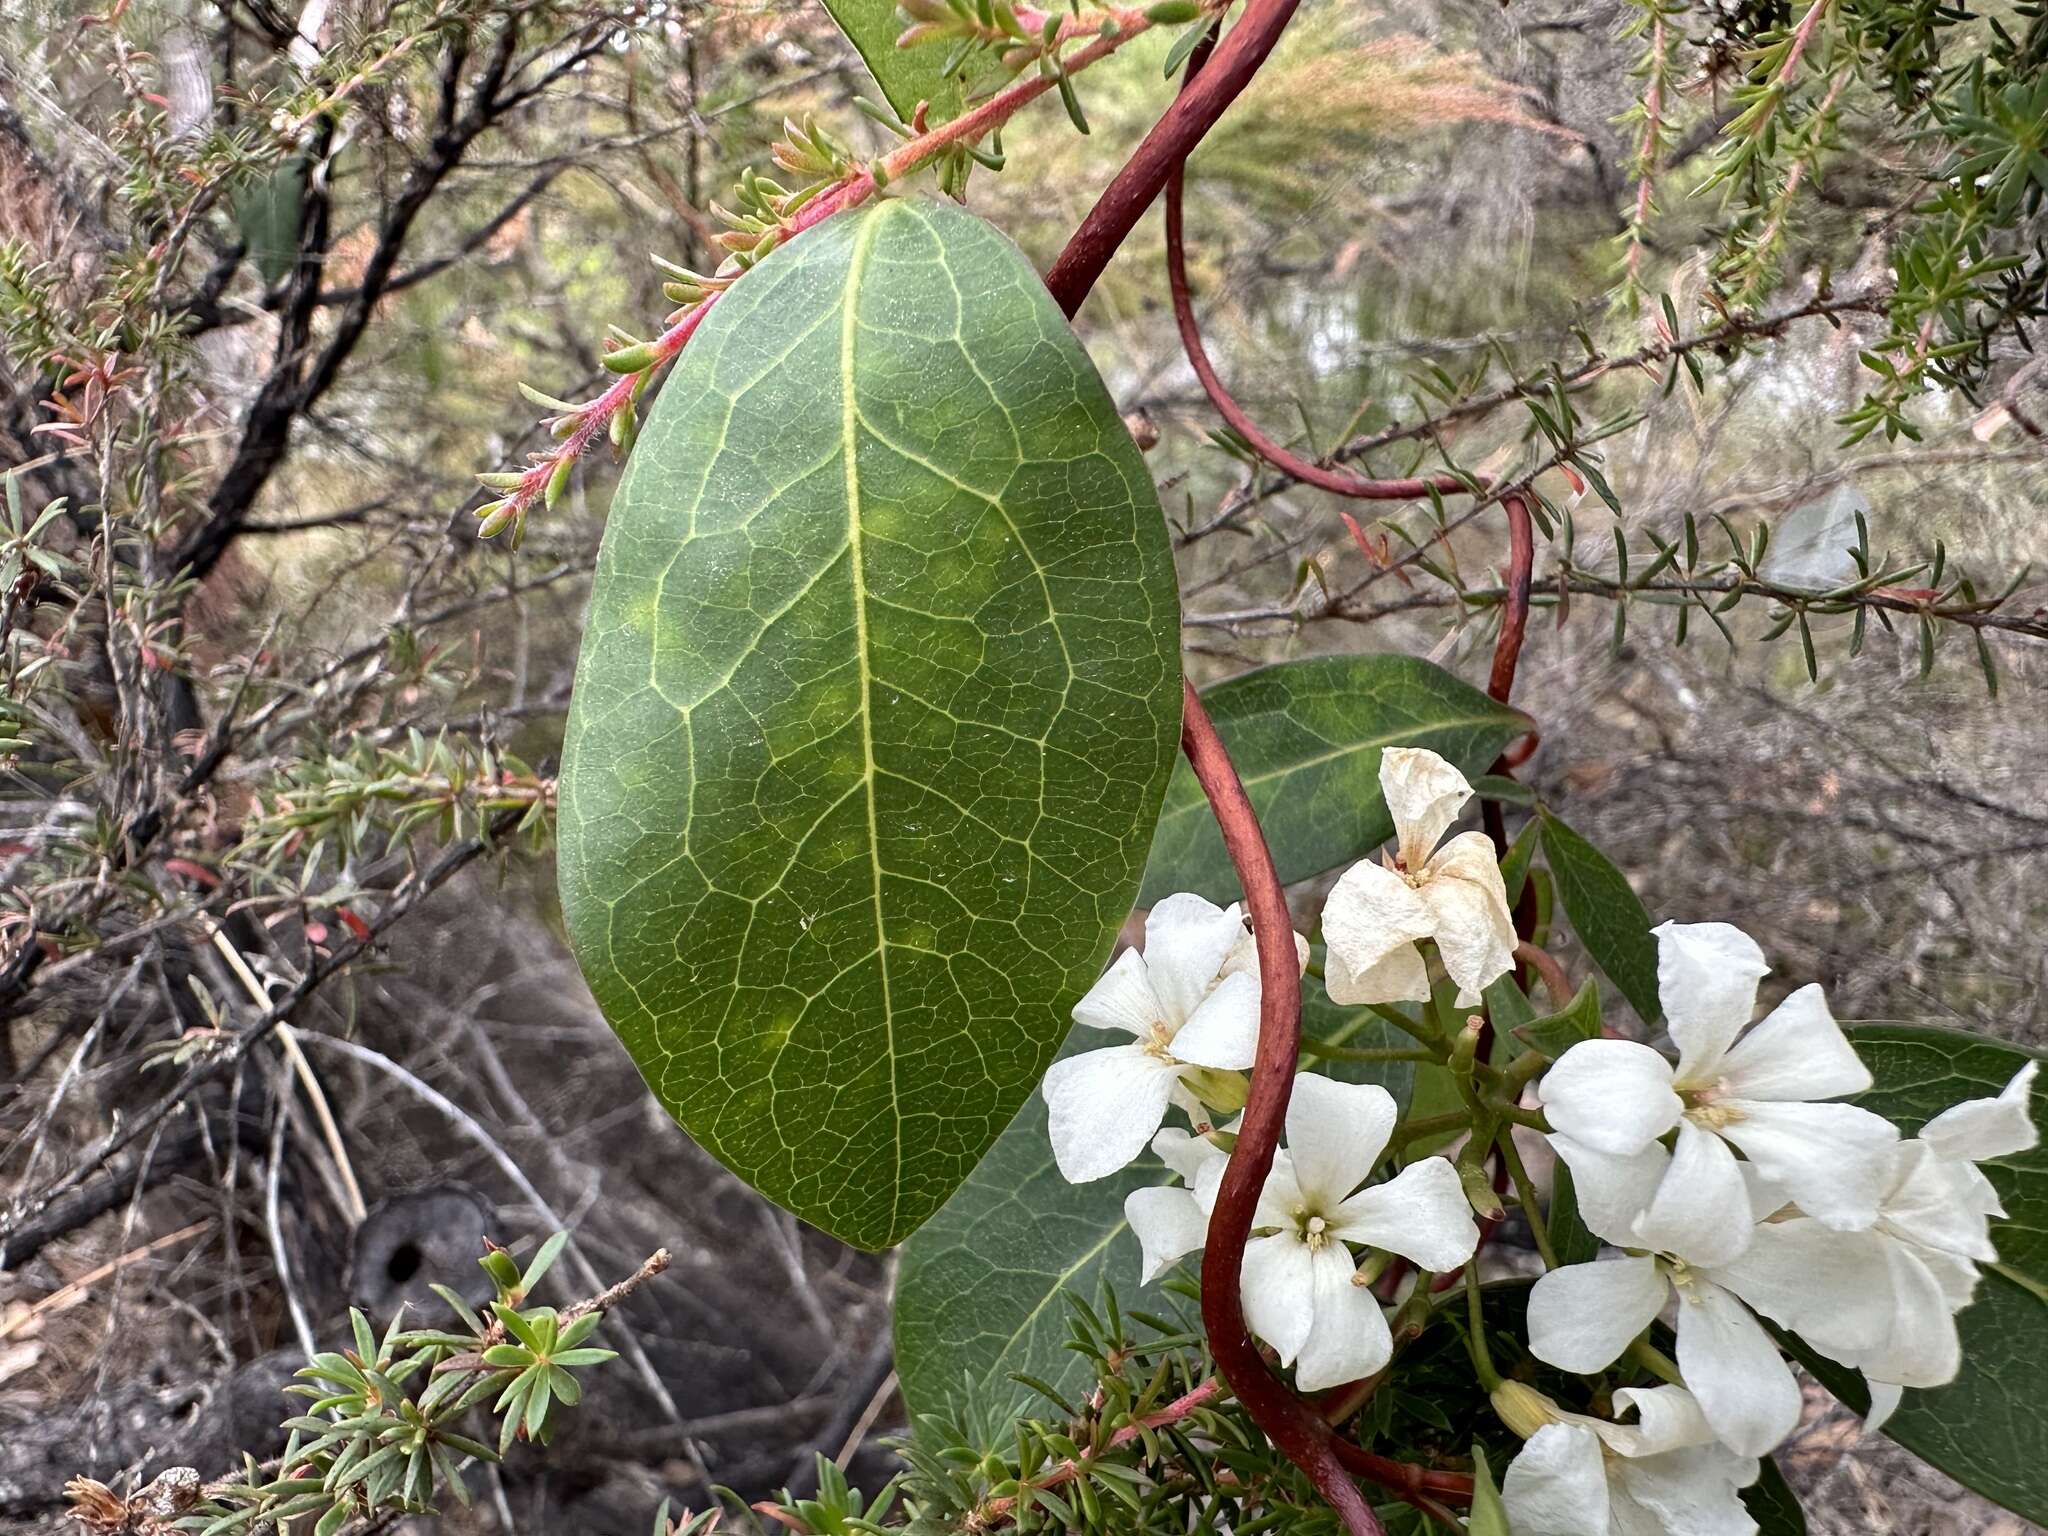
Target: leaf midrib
(849, 418)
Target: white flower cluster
(1828, 1224)
(1730, 1187)
(1190, 1001)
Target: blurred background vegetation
(277, 781)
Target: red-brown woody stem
(1322, 477)
(1514, 613)
(1287, 1421)
(1172, 139)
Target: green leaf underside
(1306, 738)
(981, 1291)
(1986, 1429)
(906, 75)
(878, 694)
(1607, 915)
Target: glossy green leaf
(1607, 915)
(1570, 1237)
(878, 695)
(907, 76)
(1306, 738)
(1509, 1010)
(1985, 1429)
(981, 1294)
(1772, 1504)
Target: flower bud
(1224, 1092)
(1171, 13)
(1522, 1408)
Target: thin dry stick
(462, 1120)
(287, 1037)
(866, 1421)
(65, 1294)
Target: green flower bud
(1224, 1092)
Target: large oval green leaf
(981, 1293)
(1986, 1429)
(878, 695)
(1306, 738)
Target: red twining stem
(1173, 137)
(1514, 614)
(1339, 482)
(1500, 682)
(1288, 1422)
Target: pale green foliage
(381, 1433)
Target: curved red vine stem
(1287, 1421)
(1322, 477)
(1293, 1425)
(1193, 113)
(1514, 613)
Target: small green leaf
(1607, 915)
(543, 1261)
(1556, 1033)
(1488, 1518)
(1570, 1237)
(1188, 42)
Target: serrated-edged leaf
(906, 75)
(1606, 913)
(1985, 1429)
(878, 696)
(981, 1295)
(1306, 737)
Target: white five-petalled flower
(1191, 1002)
(1756, 1093)
(1880, 1299)
(1454, 895)
(1583, 1316)
(1303, 1291)
(1664, 1475)
(1884, 1300)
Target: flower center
(1704, 1109)
(1315, 1231)
(1158, 1041)
(1682, 1279)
